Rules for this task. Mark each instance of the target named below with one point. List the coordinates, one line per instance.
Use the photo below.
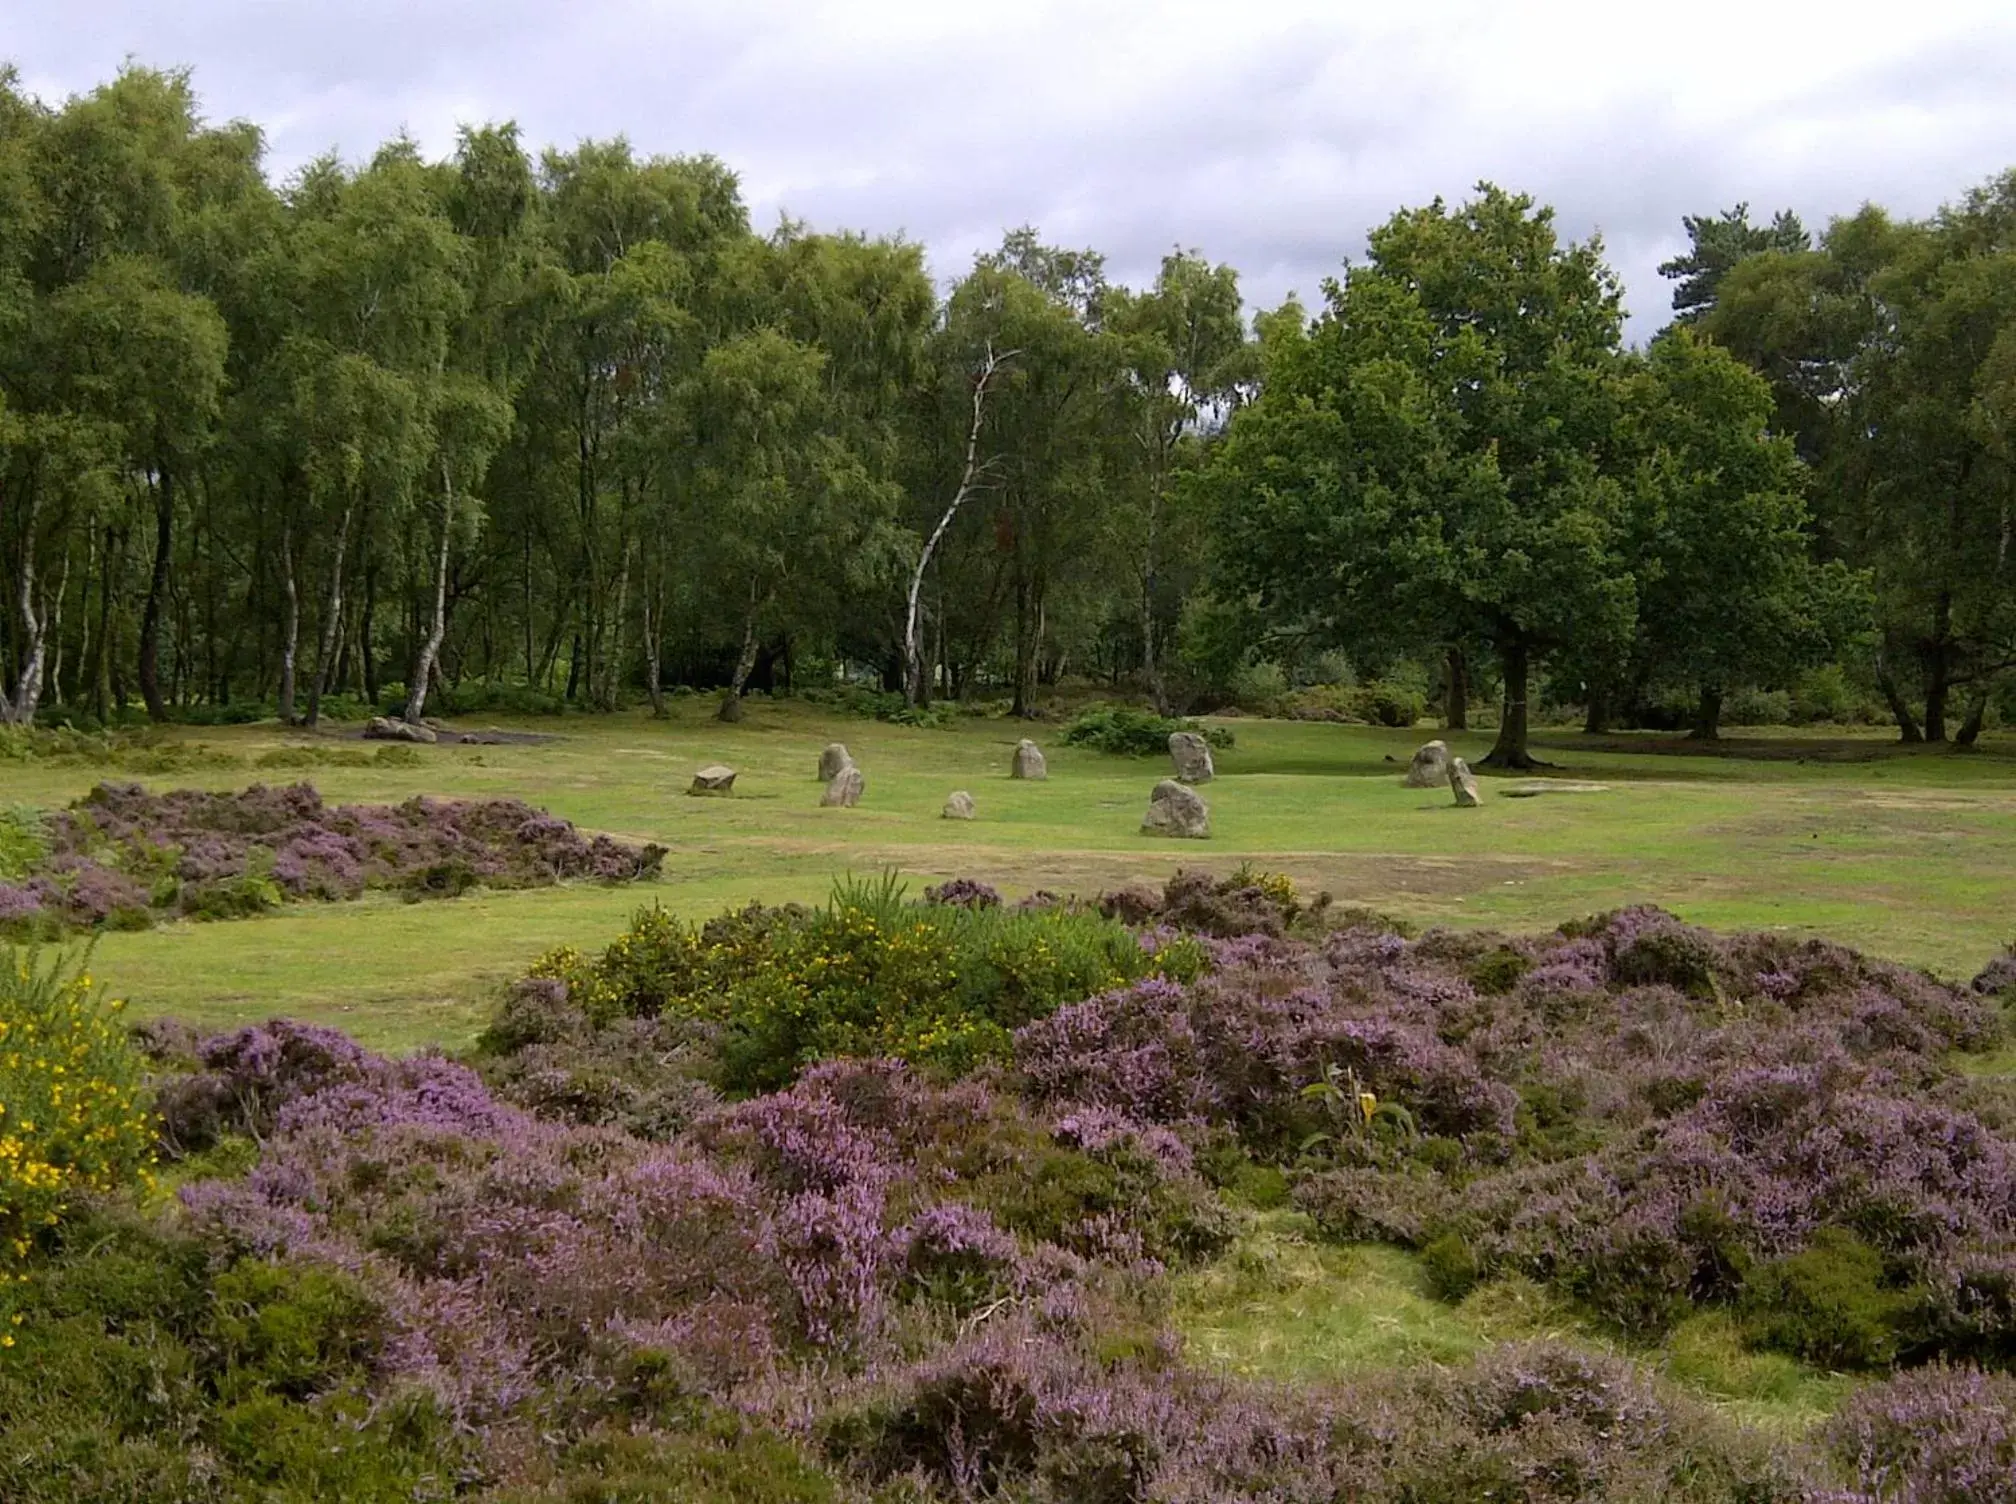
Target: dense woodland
(566, 429)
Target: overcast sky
(1267, 133)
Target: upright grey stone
(1192, 756)
(1463, 784)
(713, 779)
(1028, 762)
(832, 760)
(959, 806)
(1176, 810)
(844, 791)
(1430, 767)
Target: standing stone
(832, 760)
(713, 779)
(960, 806)
(1192, 756)
(1028, 762)
(1174, 810)
(1463, 784)
(383, 729)
(844, 791)
(1430, 766)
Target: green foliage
(1827, 1304)
(1451, 1265)
(722, 1459)
(1126, 732)
(882, 705)
(867, 974)
(74, 1117)
(22, 842)
(238, 897)
(146, 1370)
(1072, 1197)
(1385, 703)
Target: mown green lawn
(1911, 854)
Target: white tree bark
(28, 692)
(423, 667)
(969, 480)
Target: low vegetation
(120, 856)
(1127, 732)
(1626, 1188)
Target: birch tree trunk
(437, 630)
(290, 640)
(28, 691)
(914, 687)
(332, 618)
(745, 661)
(157, 589)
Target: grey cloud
(1270, 134)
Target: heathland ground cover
(1906, 853)
(1205, 1192)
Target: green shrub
(1135, 733)
(1498, 972)
(237, 897)
(1032, 1185)
(290, 1330)
(724, 1459)
(1451, 1265)
(148, 1371)
(1261, 688)
(1757, 707)
(1385, 703)
(881, 705)
(868, 974)
(73, 1116)
(22, 842)
(1322, 702)
(1826, 1304)
(449, 879)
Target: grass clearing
(1904, 852)
(1286, 1305)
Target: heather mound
(683, 1227)
(120, 857)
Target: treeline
(569, 429)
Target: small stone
(1192, 756)
(713, 779)
(960, 806)
(832, 760)
(384, 729)
(1028, 762)
(1463, 784)
(1177, 810)
(844, 791)
(1430, 766)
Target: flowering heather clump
(121, 855)
(964, 893)
(584, 1273)
(1935, 1436)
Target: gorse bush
(868, 974)
(1135, 733)
(74, 1117)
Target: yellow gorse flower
(76, 1118)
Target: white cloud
(1268, 133)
